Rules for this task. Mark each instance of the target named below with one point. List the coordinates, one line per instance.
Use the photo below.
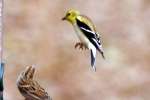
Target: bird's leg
(80, 45)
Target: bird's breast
(81, 36)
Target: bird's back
(88, 21)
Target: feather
(93, 58)
(93, 37)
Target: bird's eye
(68, 14)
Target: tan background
(35, 35)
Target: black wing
(93, 38)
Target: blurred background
(35, 35)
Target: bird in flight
(87, 34)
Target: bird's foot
(80, 45)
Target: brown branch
(29, 88)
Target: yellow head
(71, 15)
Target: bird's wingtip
(103, 55)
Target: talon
(80, 45)
(77, 44)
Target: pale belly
(82, 37)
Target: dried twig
(29, 88)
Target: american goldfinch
(86, 32)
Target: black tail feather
(93, 61)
